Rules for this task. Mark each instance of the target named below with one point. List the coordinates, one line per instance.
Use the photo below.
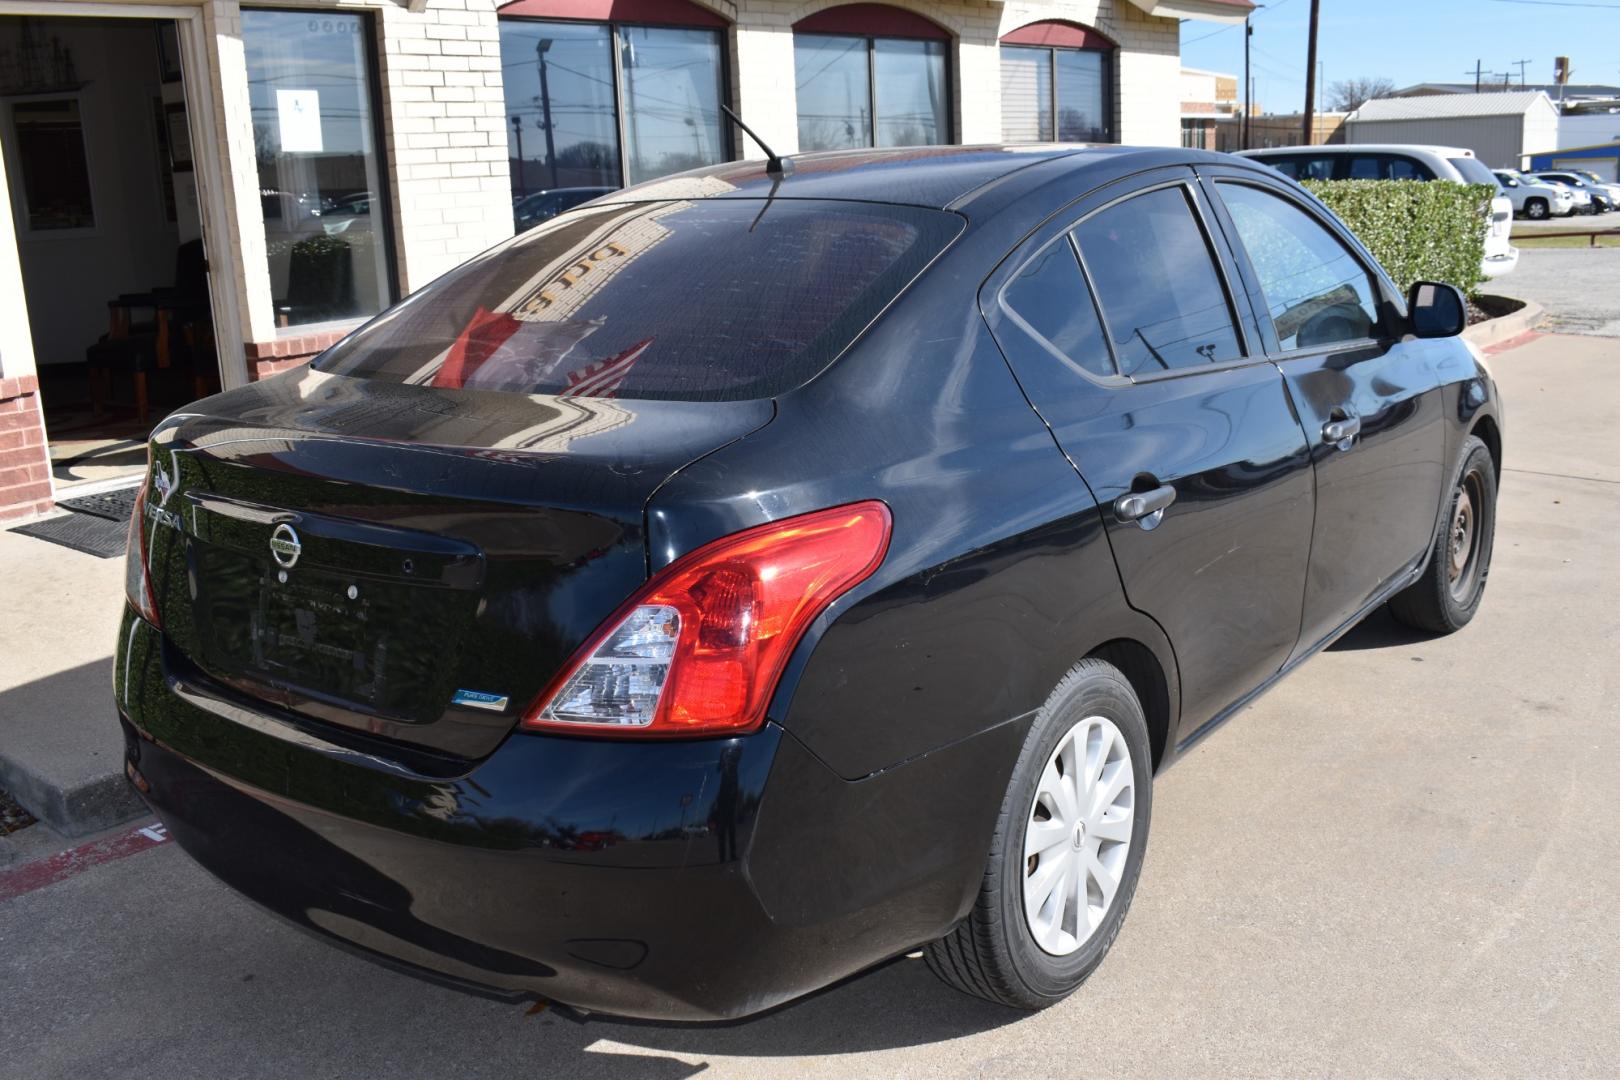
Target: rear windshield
(706, 300)
(1474, 171)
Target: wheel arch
(1485, 427)
(1142, 670)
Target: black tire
(992, 953)
(1445, 598)
(1535, 209)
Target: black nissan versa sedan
(758, 573)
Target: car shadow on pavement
(1380, 631)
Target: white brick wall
(445, 123)
(1149, 108)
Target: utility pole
(540, 51)
(1521, 64)
(1248, 95)
(1310, 71)
(1479, 68)
(522, 176)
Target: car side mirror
(1437, 310)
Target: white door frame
(206, 151)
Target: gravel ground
(1579, 287)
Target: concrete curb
(1506, 326)
(76, 807)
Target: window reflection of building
(595, 102)
(315, 138)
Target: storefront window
(315, 136)
(1056, 84)
(565, 100)
(55, 174)
(858, 90)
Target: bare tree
(1352, 94)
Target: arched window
(871, 75)
(1057, 84)
(603, 93)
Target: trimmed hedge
(1419, 231)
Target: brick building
(202, 194)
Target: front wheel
(1067, 849)
(1446, 597)
(1536, 209)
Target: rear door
(1369, 402)
(1118, 321)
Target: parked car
(1399, 162)
(532, 209)
(1609, 187)
(1597, 199)
(1533, 198)
(694, 601)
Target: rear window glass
(1473, 170)
(706, 300)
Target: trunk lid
(405, 561)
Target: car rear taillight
(699, 648)
(137, 581)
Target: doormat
(93, 534)
(114, 505)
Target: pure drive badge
(477, 699)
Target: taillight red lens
(700, 647)
(137, 578)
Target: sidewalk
(60, 753)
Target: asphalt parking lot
(1579, 287)
(1404, 861)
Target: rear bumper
(1499, 263)
(664, 880)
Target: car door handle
(1145, 508)
(1342, 433)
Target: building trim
(635, 12)
(872, 20)
(1059, 34)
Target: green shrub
(1418, 231)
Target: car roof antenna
(775, 164)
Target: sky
(1410, 41)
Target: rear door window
(1386, 167)
(1302, 166)
(1054, 319)
(698, 300)
(1161, 297)
(1316, 292)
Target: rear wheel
(1067, 850)
(1535, 209)
(1445, 598)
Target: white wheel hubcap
(1077, 835)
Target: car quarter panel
(998, 577)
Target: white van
(1392, 161)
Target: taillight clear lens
(699, 648)
(137, 582)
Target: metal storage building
(1502, 129)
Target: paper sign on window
(298, 113)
